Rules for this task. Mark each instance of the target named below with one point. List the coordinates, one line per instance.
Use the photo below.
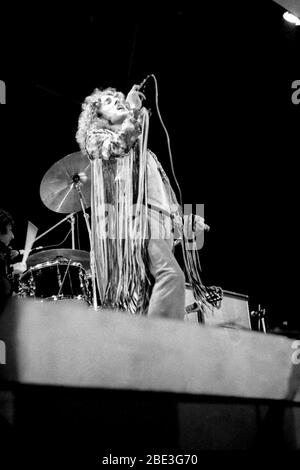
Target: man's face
(7, 237)
(113, 108)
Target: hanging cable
(166, 132)
(190, 257)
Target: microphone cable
(166, 132)
(191, 260)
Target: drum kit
(63, 273)
(66, 273)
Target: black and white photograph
(149, 308)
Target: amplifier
(233, 311)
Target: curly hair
(5, 220)
(91, 111)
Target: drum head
(79, 256)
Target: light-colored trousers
(168, 295)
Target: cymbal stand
(73, 230)
(69, 216)
(77, 185)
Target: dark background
(225, 79)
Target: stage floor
(67, 343)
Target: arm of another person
(5, 285)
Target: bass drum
(55, 280)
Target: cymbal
(58, 189)
(79, 256)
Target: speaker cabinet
(232, 313)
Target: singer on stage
(133, 208)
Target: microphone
(134, 96)
(138, 87)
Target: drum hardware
(78, 184)
(72, 220)
(65, 188)
(69, 216)
(61, 282)
(79, 256)
(55, 280)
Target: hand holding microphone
(135, 96)
(133, 99)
